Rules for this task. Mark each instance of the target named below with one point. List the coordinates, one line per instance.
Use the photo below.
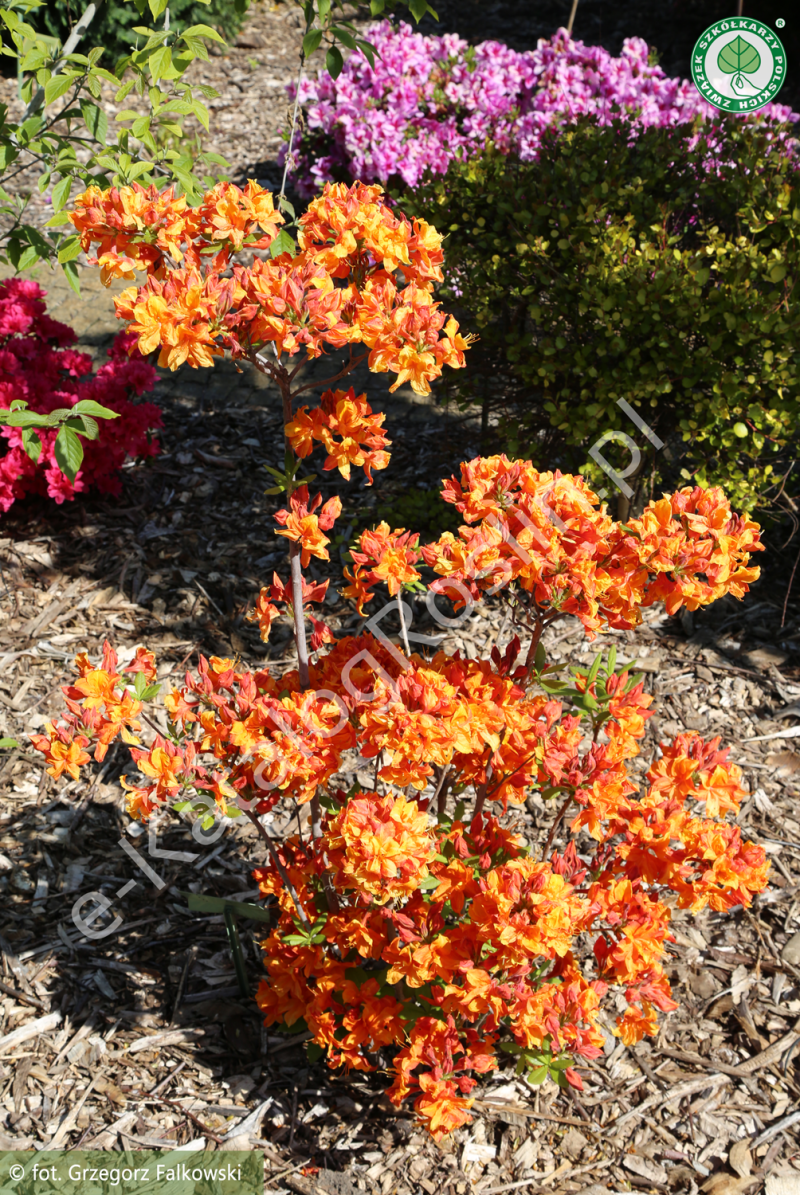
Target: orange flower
(305, 527)
(61, 753)
(340, 413)
(380, 845)
(385, 556)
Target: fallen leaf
(645, 1168)
(741, 980)
(787, 762)
(726, 1184)
(740, 1158)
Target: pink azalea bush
(428, 100)
(38, 366)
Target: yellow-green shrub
(660, 269)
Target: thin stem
(571, 20)
(288, 160)
(482, 791)
(328, 381)
(537, 634)
(789, 590)
(331, 899)
(554, 827)
(440, 796)
(295, 550)
(296, 564)
(403, 630)
(281, 870)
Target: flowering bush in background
(429, 100)
(38, 366)
(413, 931)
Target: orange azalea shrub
(413, 929)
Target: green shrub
(115, 21)
(422, 509)
(661, 270)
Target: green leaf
(56, 87)
(87, 406)
(203, 31)
(61, 193)
(595, 668)
(140, 126)
(739, 56)
(200, 903)
(376, 7)
(311, 42)
(537, 1075)
(344, 37)
(70, 249)
(368, 50)
(418, 9)
(29, 256)
(158, 63)
(95, 120)
(157, 7)
(334, 62)
(8, 744)
(68, 452)
(84, 425)
(201, 112)
(32, 444)
(283, 243)
(71, 272)
(23, 418)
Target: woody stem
(538, 627)
(440, 796)
(403, 630)
(295, 550)
(554, 827)
(482, 791)
(297, 609)
(281, 870)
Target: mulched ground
(144, 1037)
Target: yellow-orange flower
(381, 845)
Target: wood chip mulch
(143, 1038)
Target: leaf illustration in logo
(739, 58)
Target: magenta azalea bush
(428, 100)
(38, 366)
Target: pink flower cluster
(430, 99)
(37, 365)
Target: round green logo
(738, 65)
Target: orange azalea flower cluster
(362, 275)
(341, 414)
(384, 555)
(546, 533)
(414, 930)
